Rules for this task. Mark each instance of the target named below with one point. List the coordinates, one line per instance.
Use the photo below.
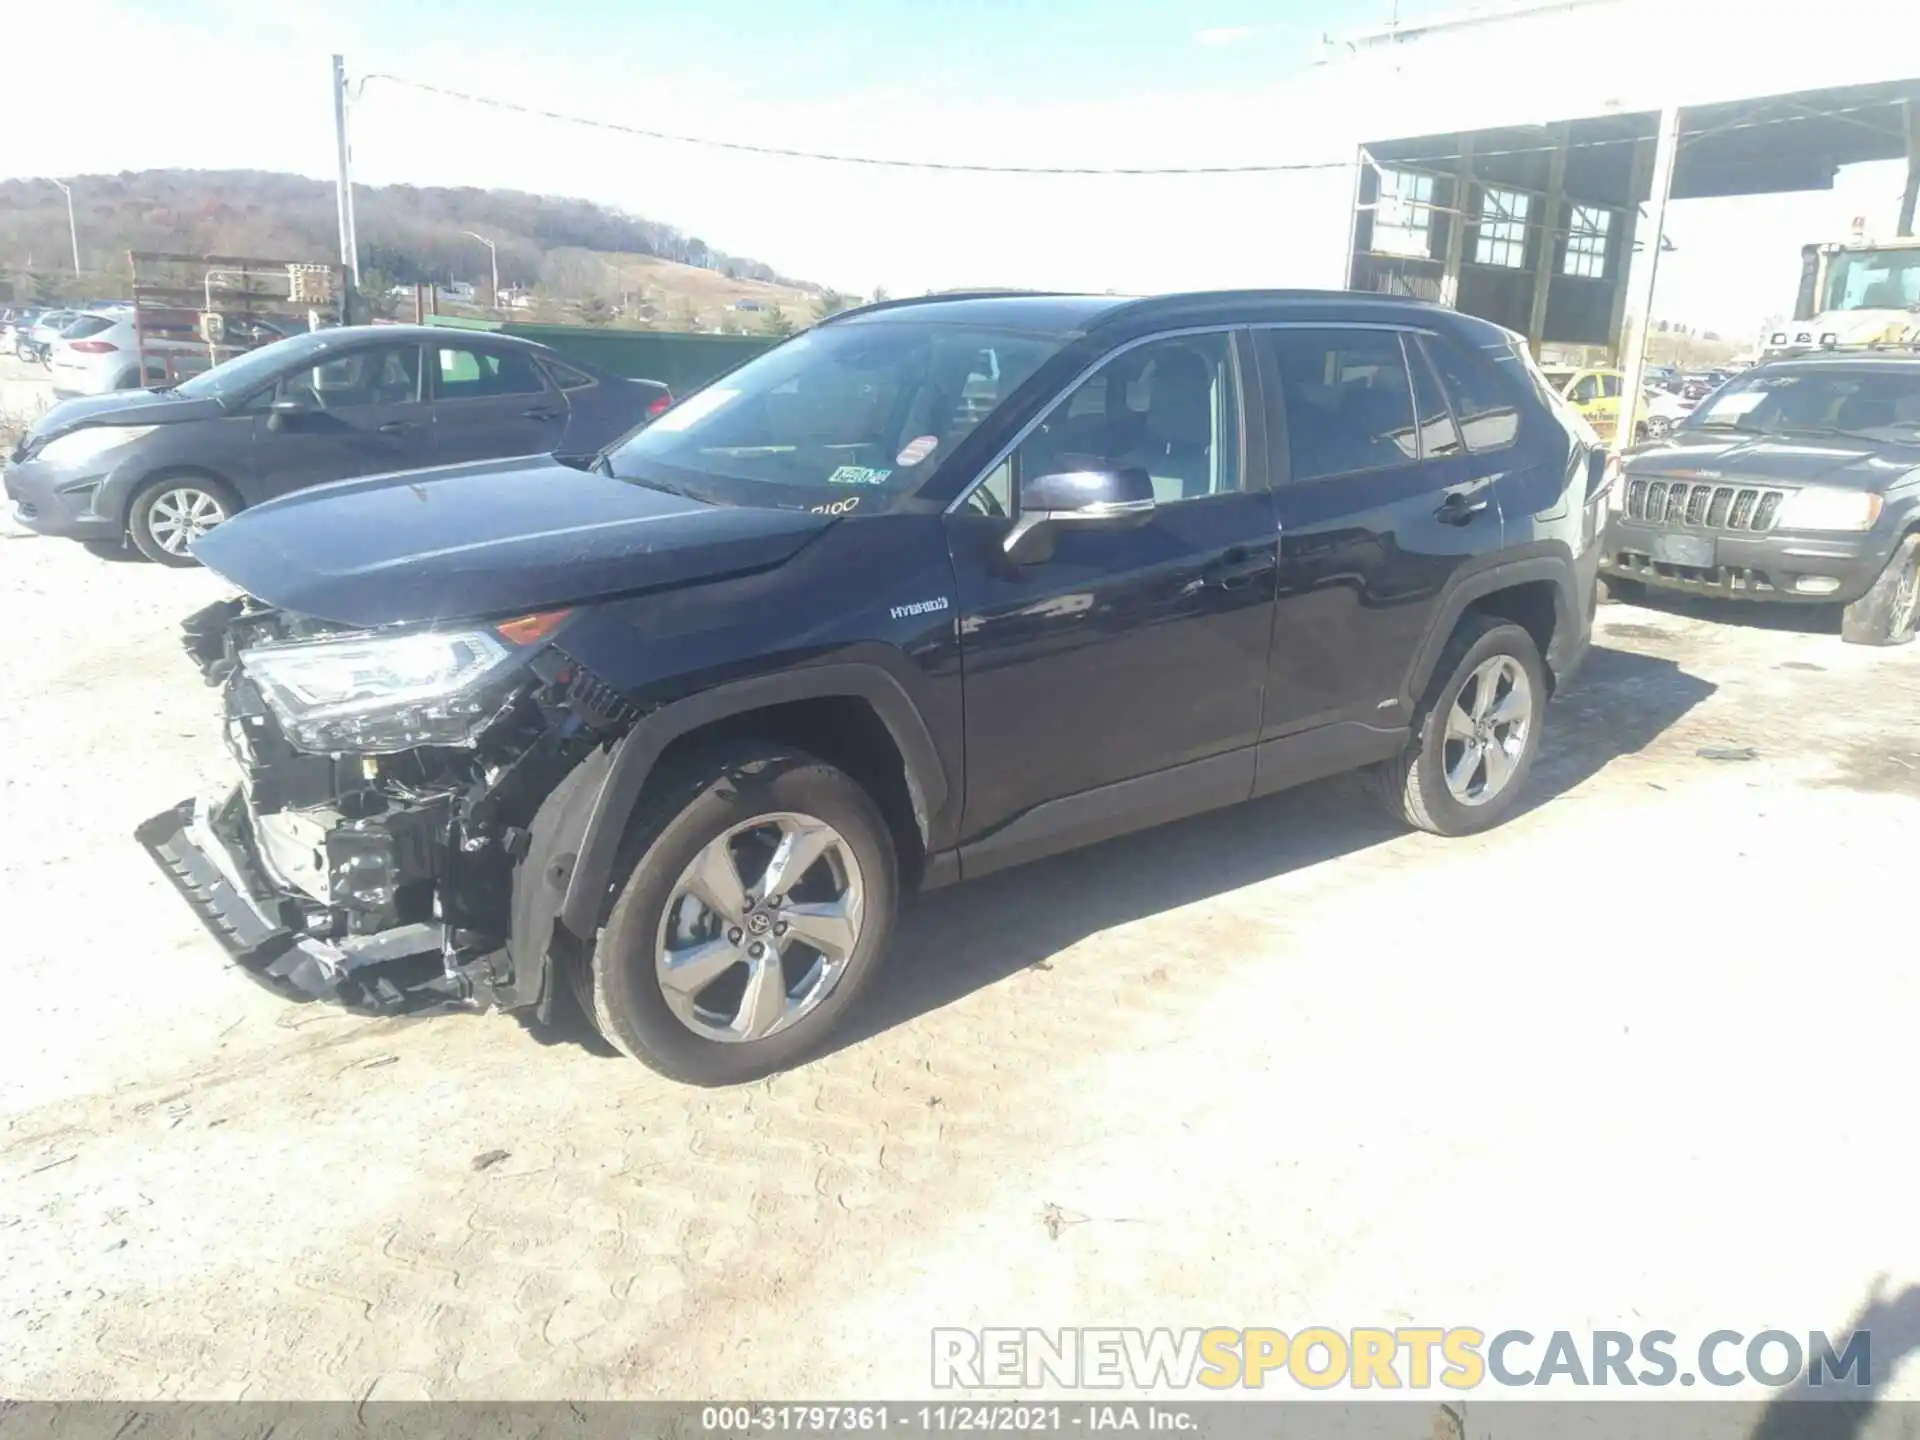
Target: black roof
(1896, 360)
(1066, 313)
(424, 332)
(1041, 311)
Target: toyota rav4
(937, 587)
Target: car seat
(1176, 447)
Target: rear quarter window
(1482, 398)
(568, 378)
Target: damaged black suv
(936, 587)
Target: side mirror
(1090, 499)
(281, 411)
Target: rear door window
(464, 373)
(1349, 402)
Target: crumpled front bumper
(206, 849)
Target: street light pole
(343, 186)
(493, 261)
(73, 229)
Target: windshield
(243, 374)
(1559, 380)
(848, 410)
(1827, 400)
(1874, 280)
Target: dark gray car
(163, 467)
(1797, 482)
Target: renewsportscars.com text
(1400, 1358)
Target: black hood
(502, 537)
(122, 407)
(1859, 464)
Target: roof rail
(1908, 344)
(903, 301)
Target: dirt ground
(1642, 1058)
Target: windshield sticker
(835, 507)
(854, 475)
(1732, 407)
(917, 450)
(695, 407)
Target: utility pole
(493, 261)
(1665, 148)
(1910, 196)
(73, 230)
(343, 191)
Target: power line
(784, 152)
(884, 162)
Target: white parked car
(99, 352)
(95, 352)
(1664, 410)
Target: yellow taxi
(1595, 394)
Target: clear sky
(1000, 81)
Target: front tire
(1476, 734)
(758, 900)
(1885, 614)
(169, 515)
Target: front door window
(1168, 407)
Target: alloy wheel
(760, 927)
(181, 515)
(1906, 598)
(1487, 730)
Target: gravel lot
(1640, 1058)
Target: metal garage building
(1506, 157)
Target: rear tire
(169, 515)
(1487, 699)
(1885, 614)
(749, 794)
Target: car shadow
(1792, 618)
(114, 551)
(953, 942)
(1840, 1408)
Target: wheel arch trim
(1555, 569)
(600, 814)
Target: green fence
(683, 362)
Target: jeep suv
(1798, 481)
(936, 587)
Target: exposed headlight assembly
(1828, 507)
(77, 447)
(375, 695)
